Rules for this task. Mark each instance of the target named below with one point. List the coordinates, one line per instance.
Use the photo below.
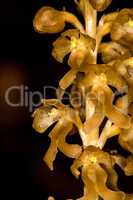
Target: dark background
(25, 59)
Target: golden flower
(98, 175)
(100, 5)
(112, 50)
(79, 46)
(126, 164)
(122, 28)
(74, 42)
(98, 79)
(54, 111)
(50, 20)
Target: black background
(25, 58)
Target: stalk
(90, 17)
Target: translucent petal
(100, 5)
(108, 131)
(70, 150)
(44, 117)
(89, 188)
(87, 41)
(49, 20)
(122, 103)
(78, 56)
(104, 192)
(120, 161)
(75, 167)
(112, 178)
(122, 29)
(112, 77)
(71, 33)
(125, 69)
(117, 117)
(52, 150)
(71, 18)
(57, 135)
(92, 123)
(88, 80)
(113, 50)
(61, 48)
(97, 168)
(109, 17)
(68, 79)
(83, 160)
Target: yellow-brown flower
(122, 28)
(50, 20)
(98, 175)
(54, 111)
(77, 44)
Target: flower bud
(49, 20)
(100, 5)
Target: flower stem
(90, 16)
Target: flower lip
(93, 159)
(74, 42)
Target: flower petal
(92, 123)
(60, 130)
(113, 78)
(49, 20)
(89, 188)
(78, 56)
(70, 150)
(108, 131)
(44, 117)
(113, 50)
(71, 33)
(125, 69)
(61, 48)
(119, 118)
(52, 150)
(122, 28)
(68, 79)
(100, 5)
(126, 139)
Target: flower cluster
(106, 90)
